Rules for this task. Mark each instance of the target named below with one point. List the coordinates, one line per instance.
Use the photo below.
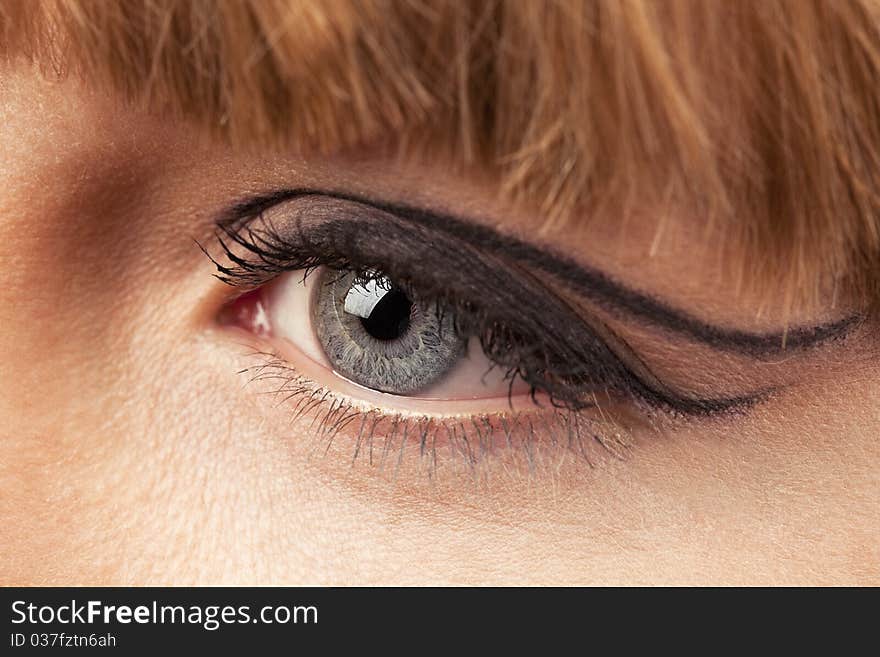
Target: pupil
(390, 316)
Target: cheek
(168, 482)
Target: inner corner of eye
(277, 311)
(246, 311)
(372, 333)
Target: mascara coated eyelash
(383, 438)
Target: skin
(132, 453)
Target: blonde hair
(764, 116)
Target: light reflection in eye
(363, 298)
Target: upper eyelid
(584, 280)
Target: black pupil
(390, 317)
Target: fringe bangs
(764, 117)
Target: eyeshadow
(523, 325)
(586, 281)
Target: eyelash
(470, 438)
(253, 255)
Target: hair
(764, 117)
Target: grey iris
(376, 335)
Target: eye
(379, 335)
(403, 309)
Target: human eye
(417, 329)
(385, 337)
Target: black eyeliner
(587, 281)
(523, 327)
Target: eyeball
(378, 335)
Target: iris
(378, 335)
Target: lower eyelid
(532, 436)
(521, 427)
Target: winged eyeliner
(587, 281)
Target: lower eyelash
(382, 439)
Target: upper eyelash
(256, 254)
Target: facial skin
(131, 451)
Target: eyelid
(584, 280)
(378, 434)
